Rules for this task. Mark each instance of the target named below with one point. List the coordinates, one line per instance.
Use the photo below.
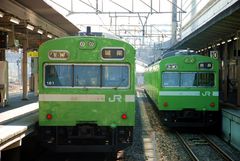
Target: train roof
(178, 52)
(99, 34)
(174, 53)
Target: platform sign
(214, 54)
(32, 54)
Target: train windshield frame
(87, 75)
(188, 79)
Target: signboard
(58, 54)
(110, 53)
(32, 54)
(214, 54)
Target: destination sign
(58, 54)
(112, 53)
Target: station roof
(47, 12)
(39, 15)
(223, 27)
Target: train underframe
(190, 118)
(86, 138)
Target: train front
(86, 94)
(188, 94)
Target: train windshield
(86, 76)
(115, 76)
(187, 79)
(78, 75)
(58, 75)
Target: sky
(116, 21)
(82, 13)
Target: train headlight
(87, 44)
(189, 60)
(205, 65)
(82, 44)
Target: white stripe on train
(82, 97)
(188, 93)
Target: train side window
(115, 76)
(171, 79)
(87, 76)
(58, 75)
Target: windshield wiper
(119, 84)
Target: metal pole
(238, 69)
(115, 23)
(225, 73)
(174, 21)
(24, 68)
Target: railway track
(200, 147)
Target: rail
(201, 139)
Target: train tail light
(49, 116)
(165, 104)
(124, 116)
(212, 104)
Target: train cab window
(115, 76)
(87, 76)
(188, 79)
(206, 79)
(81, 75)
(58, 75)
(171, 79)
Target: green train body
(86, 93)
(184, 88)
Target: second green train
(184, 87)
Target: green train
(184, 87)
(86, 94)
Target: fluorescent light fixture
(14, 20)
(218, 44)
(1, 14)
(229, 40)
(235, 38)
(223, 42)
(209, 47)
(202, 49)
(40, 31)
(49, 36)
(30, 27)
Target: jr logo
(206, 93)
(116, 98)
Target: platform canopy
(35, 21)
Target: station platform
(15, 100)
(17, 120)
(231, 125)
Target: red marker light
(49, 116)
(165, 104)
(124, 116)
(212, 104)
